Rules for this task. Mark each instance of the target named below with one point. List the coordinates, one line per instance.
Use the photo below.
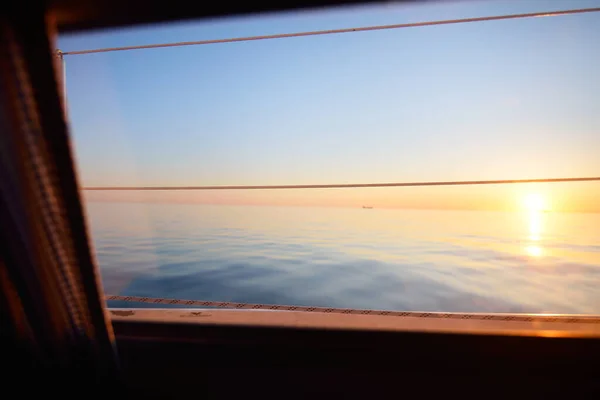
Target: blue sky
(491, 100)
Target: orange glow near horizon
(530, 199)
(421, 198)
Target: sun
(535, 202)
(534, 251)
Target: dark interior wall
(232, 361)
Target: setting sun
(535, 202)
(534, 251)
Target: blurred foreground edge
(73, 15)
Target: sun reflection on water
(535, 233)
(535, 226)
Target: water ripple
(386, 259)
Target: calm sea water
(464, 261)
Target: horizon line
(346, 206)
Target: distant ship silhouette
(367, 207)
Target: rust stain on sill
(195, 314)
(122, 313)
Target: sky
(512, 99)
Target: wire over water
(338, 31)
(345, 185)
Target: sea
(385, 259)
